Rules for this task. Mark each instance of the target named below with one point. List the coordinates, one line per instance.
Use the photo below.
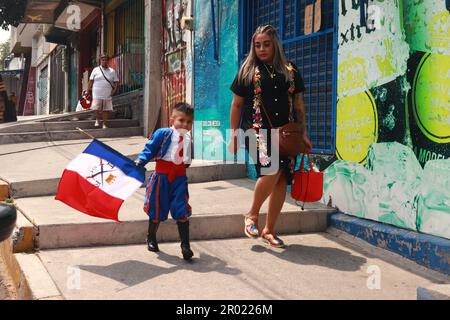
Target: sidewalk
(314, 266)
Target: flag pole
(84, 132)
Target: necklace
(272, 74)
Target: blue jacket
(157, 146)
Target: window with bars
(315, 54)
(125, 42)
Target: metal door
(58, 82)
(73, 80)
(43, 91)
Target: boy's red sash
(171, 169)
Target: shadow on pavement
(332, 258)
(130, 272)
(133, 272)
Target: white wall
(40, 48)
(23, 35)
(17, 63)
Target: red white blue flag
(99, 180)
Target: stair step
(34, 169)
(8, 138)
(199, 171)
(218, 209)
(41, 126)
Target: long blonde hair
(280, 62)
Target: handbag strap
(309, 162)
(100, 67)
(267, 116)
(307, 179)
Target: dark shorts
(284, 164)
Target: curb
(39, 281)
(25, 234)
(426, 250)
(16, 277)
(4, 190)
(435, 292)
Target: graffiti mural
(30, 97)
(393, 115)
(372, 68)
(427, 26)
(392, 111)
(216, 64)
(174, 35)
(174, 50)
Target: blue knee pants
(161, 196)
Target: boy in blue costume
(167, 189)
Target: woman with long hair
(265, 89)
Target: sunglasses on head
(267, 27)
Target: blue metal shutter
(315, 54)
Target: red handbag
(307, 186)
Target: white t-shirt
(173, 148)
(101, 89)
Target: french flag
(99, 180)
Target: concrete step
(40, 164)
(26, 137)
(218, 209)
(434, 292)
(199, 171)
(34, 169)
(45, 126)
(86, 115)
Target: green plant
(9, 201)
(11, 12)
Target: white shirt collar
(177, 133)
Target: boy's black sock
(152, 244)
(183, 230)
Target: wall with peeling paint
(393, 116)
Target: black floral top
(274, 95)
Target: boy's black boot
(183, 230)
(152, 244)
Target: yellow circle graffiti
(356, 127)
(431, 97)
